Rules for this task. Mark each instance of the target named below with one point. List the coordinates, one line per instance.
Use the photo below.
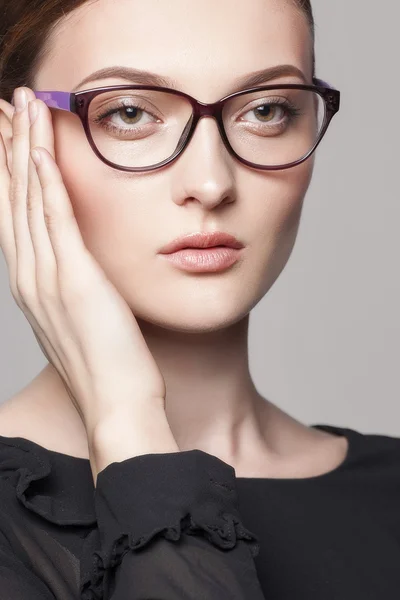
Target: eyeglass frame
(78, 103)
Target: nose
(206, 134)
(206, 167)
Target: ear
(6, 113)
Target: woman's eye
(124, 115)
(132, 115)
(266, 113)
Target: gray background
(325, 340)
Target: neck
(212, 403)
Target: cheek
(276, 223)
(114, 212)
(284, 198)
(90, 183)
(78, 164)
(286, 213)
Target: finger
(48, 300)
(5, 158)
(46, 265)
(8, 110)
(45, 121)
(69, 249)
(48, 297)
(25, 274)
(7, 241)
(26, 295)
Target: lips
(202, 240)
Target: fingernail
(36, 157)
(33, 111)
(19, 99)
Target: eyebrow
(141, 77)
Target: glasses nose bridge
(211, 110)
(207, 109)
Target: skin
(195, 325)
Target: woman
(142, 462)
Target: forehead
(203, 45)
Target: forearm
(122, 436)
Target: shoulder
(371, 455)
(369, 442)
(20, 418)
(43, 419)
(374, 461)
(384, 447)
(380, 441)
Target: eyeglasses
(142, 128)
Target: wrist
(110, 415)
(118, 437)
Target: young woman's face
(125, 218)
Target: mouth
(202, 241)
(199, 248)
(206, 260)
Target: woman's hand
(82, 324)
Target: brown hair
(25, 28)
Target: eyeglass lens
(141, 128)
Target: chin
(195, 319)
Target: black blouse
(182, 526)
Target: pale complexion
(195, 326)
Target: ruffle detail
(224, 534)
(39, 487)
(201, 501)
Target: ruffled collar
(56, 486)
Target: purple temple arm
(55, 99)
(63, 99)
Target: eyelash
(112, 111)
(292, 111)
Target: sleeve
(168, 528)
(17, 581)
